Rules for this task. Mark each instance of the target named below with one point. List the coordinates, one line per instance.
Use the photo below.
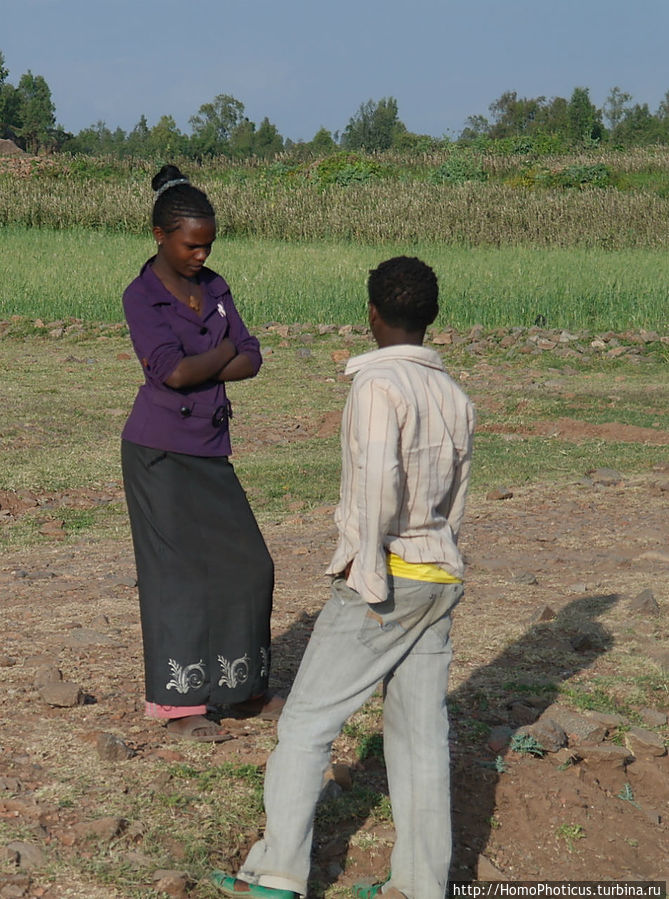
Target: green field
(81, 273)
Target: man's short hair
(405, 292)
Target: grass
(67, 399)
(55, 274)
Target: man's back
(406, 447)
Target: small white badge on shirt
(221, 309)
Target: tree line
(221, 128)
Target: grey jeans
(403, 642)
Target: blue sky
(309, 63)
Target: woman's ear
(159, 235)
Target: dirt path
(575, 557)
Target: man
(406, 441)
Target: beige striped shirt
(406, 440)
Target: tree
(585, 120)
(375, 126)
(36, 111)
(214, 123)
(639, 127)
(242, 139)
(9, 105)
(322, 143)
(267, 141)
(138, 139)
(165, 139)
(615, 107)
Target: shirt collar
(209, 281)
(404, 352)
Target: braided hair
(404, 291)
(176, 198)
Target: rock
(645, 603)
(499, 738)
(47, 674)
(7, 661)
(545, 613)
(486, 871)
(340, 355)
(62, 694)
(644, 743)
(500, 493)
(444, 338)
(655, 556)
(303, 353)
(112, 748)
(606, 754)
(16, 886)
(86, 636)
(653, 718)
(525, 577)
(172, 883)
(520, 713)
(341, 774)
(606, 477)
(30, 855)
(54, 528)
(330, 790)
(586, 641)
(547, 732)
(101, 829)
(578, 728)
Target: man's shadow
(527, 674)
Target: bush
(459, 168)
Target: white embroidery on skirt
(190, 677)
(233, 673)
(264, 661)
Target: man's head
(403, 300)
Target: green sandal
(233, 887)
(368, 890)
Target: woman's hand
(194, 370)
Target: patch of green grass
(526, 744)
(53, 275)
(570, 833)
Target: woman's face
(185, 250)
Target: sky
(307, 64)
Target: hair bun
(166, 174)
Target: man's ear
(372, 314)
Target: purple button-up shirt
(164, 331)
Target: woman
(204, 573)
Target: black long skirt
(205, 578)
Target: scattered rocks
(172, 883)
(653, 718)
(548, 733)
(499, 738)
(606, 477)
(644, 743)
(112, 748)
(62, 694)
(545, 613)
(29, 854)
(645, 603)
(500, 493)
(102, 830)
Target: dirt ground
(566, 597)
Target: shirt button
(203, 330)
(184, 411)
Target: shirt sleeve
(158, 348)
(376, 431)
(460, 486)
(239, 334)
